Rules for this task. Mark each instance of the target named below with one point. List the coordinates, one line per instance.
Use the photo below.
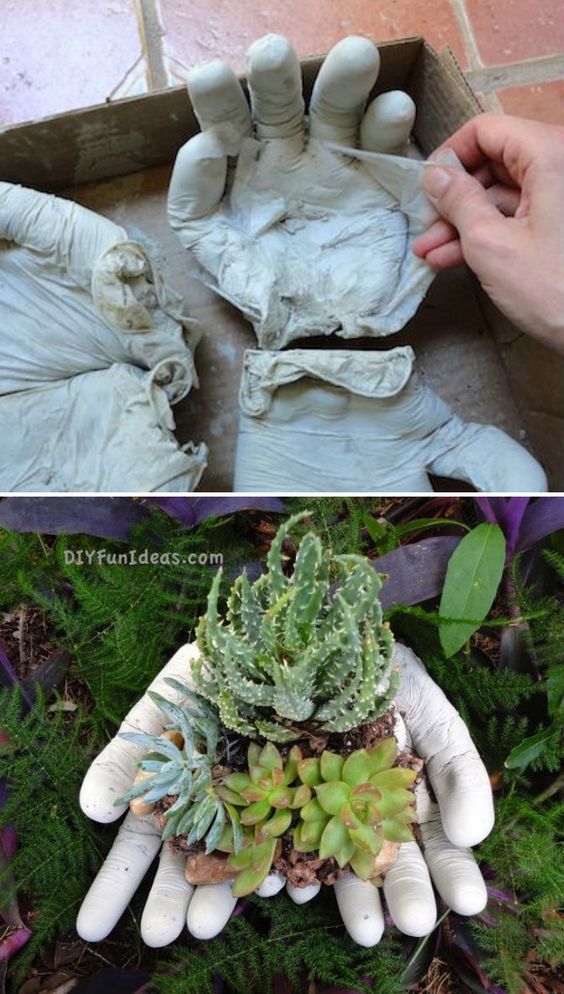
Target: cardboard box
(116, 159)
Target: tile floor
(58, 55)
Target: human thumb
(457, 196)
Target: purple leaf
(542, 517)
(105, 517)
(9, 677)
(485, 505)
(415, 573)
(114, 517)
(13, 942)
(508, 513)
(193, 510)
(17, 934)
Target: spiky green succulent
(359, 802)
(185, 772)
(292, 650)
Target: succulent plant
(269, 802)
(291, 651)
(359, 802)
(266, 790)
(181, 764)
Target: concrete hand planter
(278, 751)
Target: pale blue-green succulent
(292, 651)
(185, 772)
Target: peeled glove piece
(343, 421)
(77, 296)
(108, 430)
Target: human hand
(462, 818)
(503, 218)
(308, 234)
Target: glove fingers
(361, 909)
(113, 771)
(220, 104)
(387, 123)
(164, 915)
(341, 90)
(455, 873)
(198, 180)
(409, 892)
(275, 83)
(301, 895)
(135, 847)
(210, 909)
(459, 778)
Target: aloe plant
(290, 651)
(359, 802)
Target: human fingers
(409, 892)
(210, 909)
(461, 200)
(438, 234)
(275, 84)
(440, 245)
(439, 735)
(164, 914)
(135, 847)
(387, 123)
(341, 90)
(219, 104)
(447, 256)
(113, 771)
(198, 180)
(513, 142)
(361, 909)
(454, 870)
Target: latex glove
(463, 817)
(307, 235)
(336, 420)
(93, 351)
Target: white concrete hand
(462, 818)
(305, 239)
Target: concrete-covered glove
(93, 351)
(306, 235)
(463, 816)
(327, 420)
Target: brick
(512, 30)
(540, 101)
(196, 31)
(57, 55)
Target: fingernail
(435, 181)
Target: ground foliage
(120, 623)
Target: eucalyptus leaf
(472, 579)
